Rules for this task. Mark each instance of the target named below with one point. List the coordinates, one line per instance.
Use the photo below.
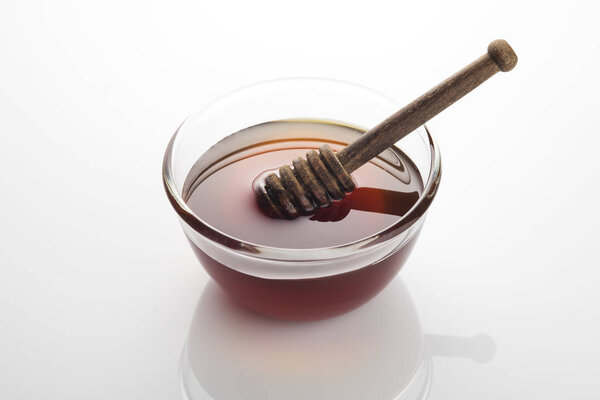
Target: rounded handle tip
(504, 56)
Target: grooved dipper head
(312, 183)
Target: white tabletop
(98, 286)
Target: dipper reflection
(370, 199)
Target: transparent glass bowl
(287, 283)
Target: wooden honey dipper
(325, 176)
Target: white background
(97, 284)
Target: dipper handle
(499, 57)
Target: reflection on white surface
(479, 348)
(373, 352)
(376, 352)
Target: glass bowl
(292, 283)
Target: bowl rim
(213, 234)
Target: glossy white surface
(97, 285)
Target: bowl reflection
(376, 352)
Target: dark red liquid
(221, 195)
(306, 299)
